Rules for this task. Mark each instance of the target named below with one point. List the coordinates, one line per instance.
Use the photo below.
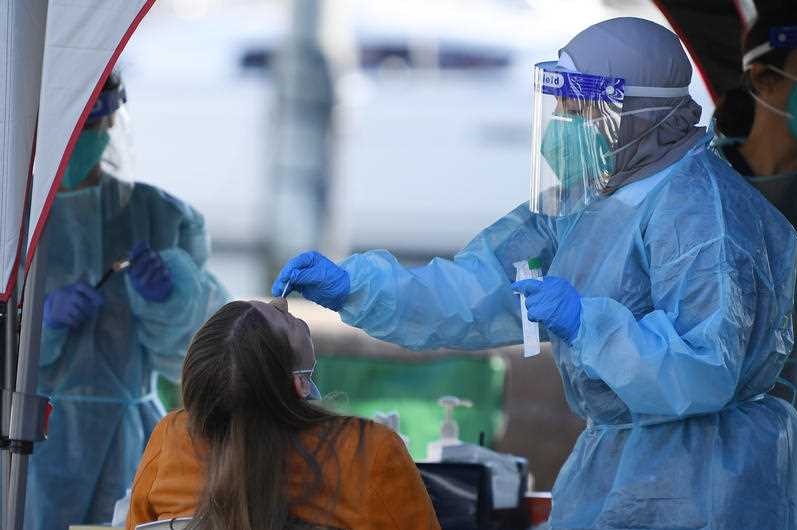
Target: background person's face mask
(791, 107)
(87, 153)
(790, 113)
(574, 149)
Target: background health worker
(102, 345)
(758, 120)
(668, 295)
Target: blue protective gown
(100, 376)
(688, 279)
(780, 191)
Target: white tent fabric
(22, 25)
(83, 40)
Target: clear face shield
(575, 132)
(117, 159)
(104, 143)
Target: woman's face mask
(87, 153)
(576, 150)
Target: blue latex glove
(71, 306)
(555, 303)
(149, 274)
(317, 278)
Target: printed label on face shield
(553, 80)
(583, 86)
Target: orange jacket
(380, 486)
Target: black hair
(113, 82)
(736, 108)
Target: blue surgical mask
(575, 150)
(87, 153)
(791, 108)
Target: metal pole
(15, 514)
(9, 370)
(301, 156)
(27, 409)
(27, 23)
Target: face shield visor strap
(645, 134)
(772, 108)
(782, 37)
(566, 63)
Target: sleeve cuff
(592, 309)
(52, 341)
(355, 305)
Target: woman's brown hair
(241, 402)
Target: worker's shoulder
(700, 181)
(701, 169)
(708, 197)
(154, 196)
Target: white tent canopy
(59, 54)
(22, 26)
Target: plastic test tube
(531, 331)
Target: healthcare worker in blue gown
(667, 296)
(101, 346)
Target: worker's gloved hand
(149, 274)
(71, 306)
(317, 278)
(555, 303)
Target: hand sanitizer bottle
(449, 430)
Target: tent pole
(27, 409)
(300, 162)
(9, 371)
(15, 513)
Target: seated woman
(250, 451)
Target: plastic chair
(181, 523)
(178, 523)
